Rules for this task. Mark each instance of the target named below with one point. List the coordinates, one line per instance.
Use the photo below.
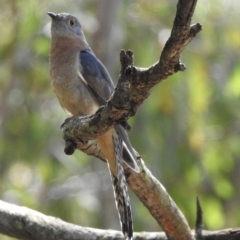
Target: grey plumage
(82, 84)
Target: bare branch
(26, 224)
(155, 197)
(199, 221)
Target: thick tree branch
(155, 197)
(134, 85)
(26, 224)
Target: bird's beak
(52, 15)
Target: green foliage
(187, 131)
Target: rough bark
(27, 224)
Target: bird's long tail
(121, 191)
(124, 208)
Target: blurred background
(187, 131)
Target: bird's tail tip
(124, 208)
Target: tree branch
(155, 197)
(134, 85)
(26, 224)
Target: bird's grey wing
(96, 76)
(101, 86)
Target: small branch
(26, 224)
(199, 221)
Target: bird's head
(65, 25)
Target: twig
(199, 221)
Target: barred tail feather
(121, 191)
(124, 208)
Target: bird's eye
(71, 22)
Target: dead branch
(26, 224)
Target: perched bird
(82, 84)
